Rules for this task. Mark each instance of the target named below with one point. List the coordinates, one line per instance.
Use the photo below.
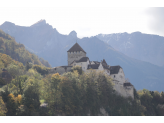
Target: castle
(77, 56)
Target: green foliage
(14, 70)
(28, 66)
(31, 99)
(6, 60)
(40, 69)
(4, 35)
(44, 62)
(18, 85)
(78, 68)
(2, 81)
(153, 102)
(3, 108)
(75, 94)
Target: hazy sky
(87, 17)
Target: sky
(87, 17)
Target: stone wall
(60, 69)
(119, 77)
(125, 91)
(75, 56)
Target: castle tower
(75, 53)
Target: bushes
(40, 69)
(78, 68)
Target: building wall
(75, 56)
(130, 91)
(119, 77)
(125, 91)
(60, 70)
(84, 65)
(119, 80)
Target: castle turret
(75, 53)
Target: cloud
(156, 20)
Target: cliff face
(49, 44)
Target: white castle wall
(119, 77)
(84, 65)
(119, 80)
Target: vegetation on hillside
(17, 51)
(73, 93)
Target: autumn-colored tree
(11, 105)
(78, 68)
(3, 108)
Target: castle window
(114, 76)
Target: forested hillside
(73, 93)
(17, 51)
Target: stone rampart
(60, 69)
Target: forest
(27, 89)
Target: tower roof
(76, 47)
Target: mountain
(17, 51)
(144, 47)
(49, 44)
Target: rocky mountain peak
(7, 23)
(73, 34)
(39, 23)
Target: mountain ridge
(144, 47)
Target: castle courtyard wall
(60, 69)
